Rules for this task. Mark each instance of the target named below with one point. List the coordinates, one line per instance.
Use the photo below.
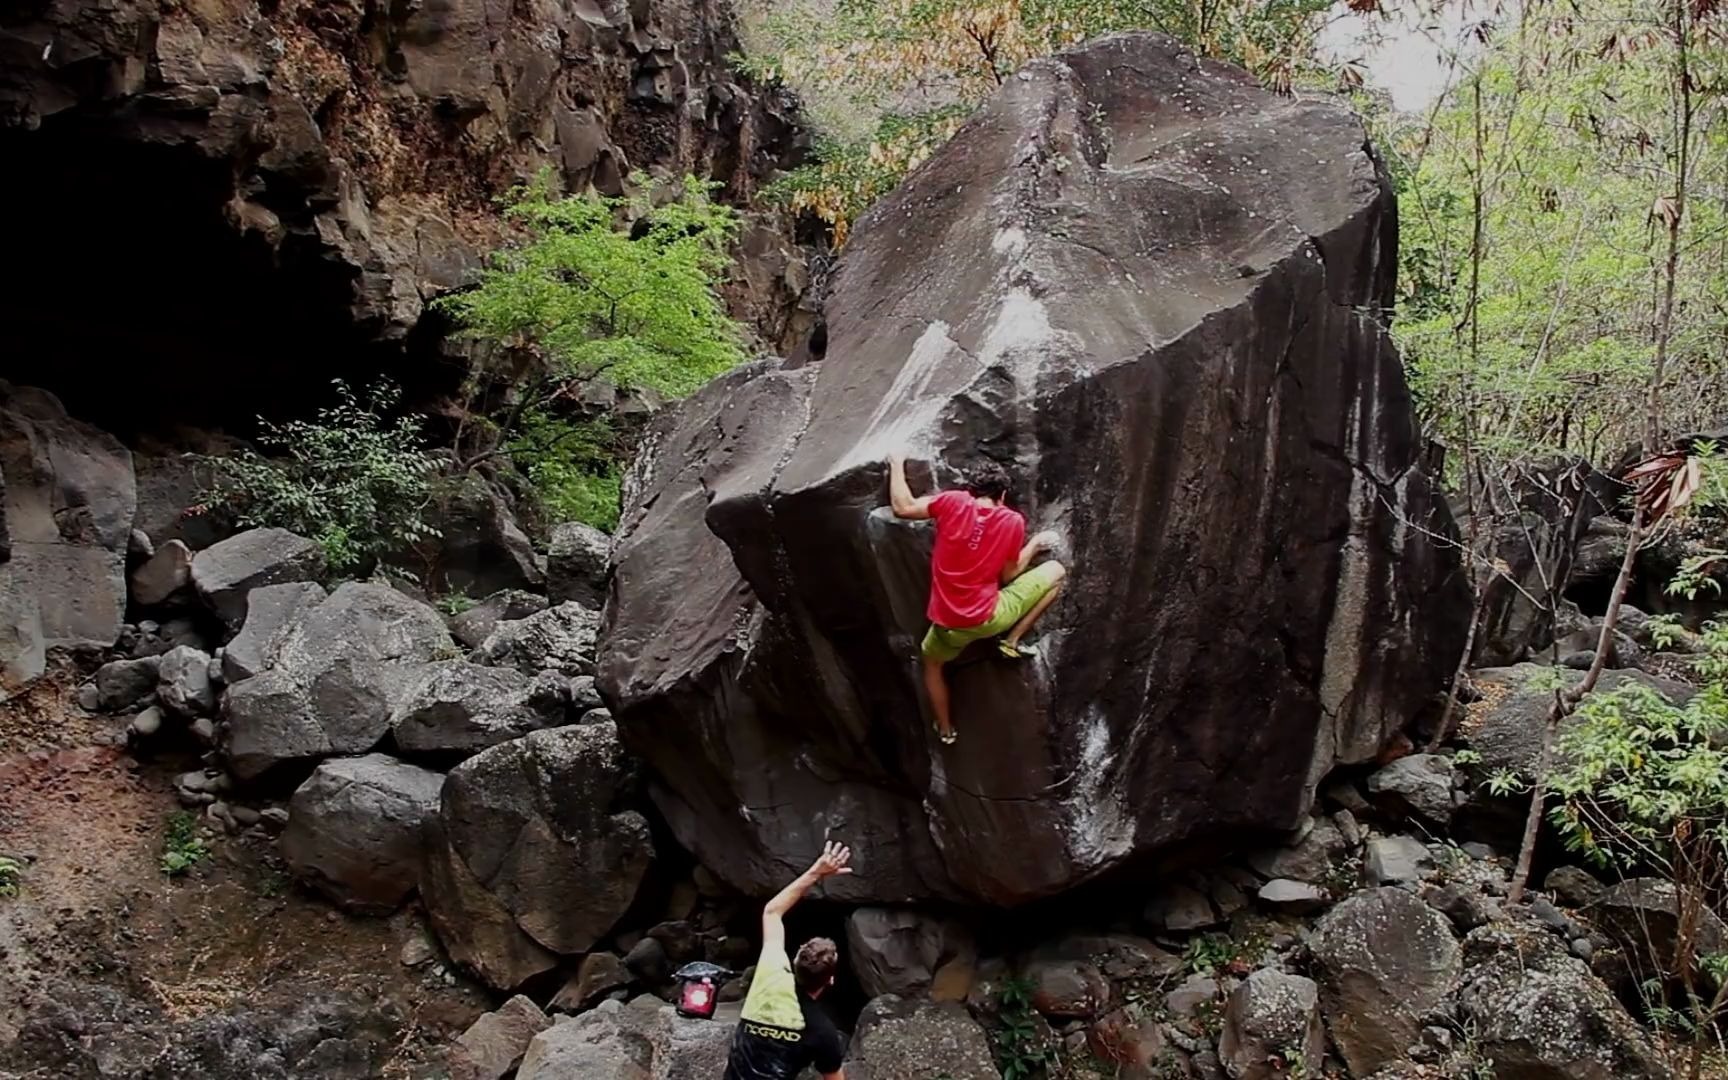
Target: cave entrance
(127, 294)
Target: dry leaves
(1665, 484)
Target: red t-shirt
(973, 544)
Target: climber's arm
(1040, 543)
(900, 495)
(833, 861)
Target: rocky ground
(107, 963)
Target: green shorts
(1012, 603)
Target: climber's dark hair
(989, 481)
(815, 964)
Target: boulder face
(535, 849)
(67, 499)
(354, 830)
(1150, 289)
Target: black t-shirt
(781, 1031)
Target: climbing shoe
(949, 737)
(1018, 652)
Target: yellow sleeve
(773, 996)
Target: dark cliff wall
(217, 206)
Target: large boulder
(474, 626)
(1539, 1014)
(458, 707)
(895, 951)
(493, 1045)
(67, 499)
(162, 575)
(1150, 288)
(901, 1037)
(481, 548)
(1533, 524)
(561, 638)
(541, 827)
(184, 681)
(1651, 918)
(1272, 1028)
(576, 564)
(226, 572)
(644, 1040)
(354, 830)
(1504, 728)
(339, 671)
(1384, 961)
(269, 610)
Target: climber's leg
(1030, 595)
(936, 685)
(940, 646)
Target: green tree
(1558, 262)
(1644, 787)
(619, 290)
(888, 81)
(350, 478)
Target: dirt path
(87, 819)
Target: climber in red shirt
(982, 583)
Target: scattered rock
(1309, 859)
(226, 572)
(68, 495)
(1293, 897)
(1539, 1013)
(341, 668)
(1194, 991)
(1349, 828)
(147, 723)
(121, 684)
(1129, 1042)
(82, 1030)
(184, 682)
(899, 1037)
(576, 564)
(458, 707)
(494, 1045)
(1180, 909)
(647, 960)
(477, 930)
(1396, 860)
(584, 695)
(1419, 785)
(204, 730)
(1464, 905)
(560, 638)
(167, 572)
(1065, 989)
(1505, 729)
(1384, 960)
(895, 951)
(475, 625)
(1574, 887)
(644, 1040)
(1544, 912)
(578, 855)
(268, 611)
(481, 548)
(1269, 1020)
(1643, 916)
(354, 830)
(89, 697)
(417, 950)
(600, 973)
